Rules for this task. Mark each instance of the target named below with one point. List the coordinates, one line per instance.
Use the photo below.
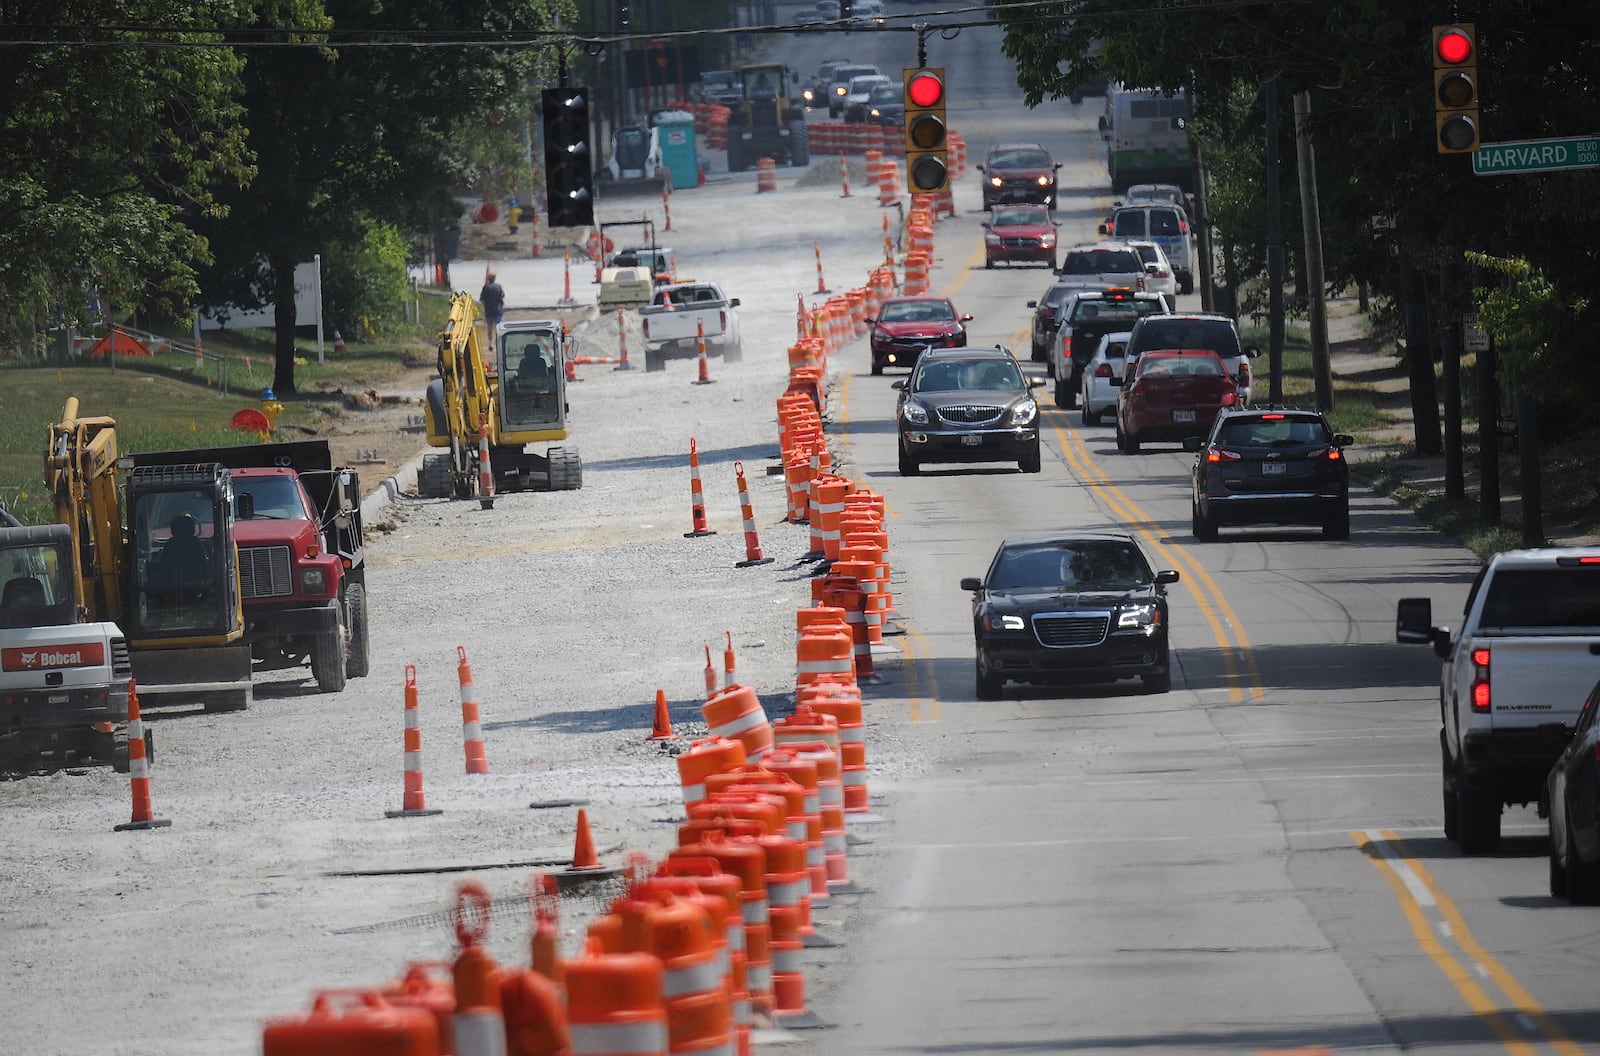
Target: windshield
(1019, 159)
(1081, 564)
(886, 93)
(990, 374)
(1272, 431)
(36, 586)
(1017, 216)
(271, 498)
(918, 312)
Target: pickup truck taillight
(1480, 681)
(1066, 347)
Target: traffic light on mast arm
(927, 145)
(1455, 88)
(568, 161)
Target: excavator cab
(185, 582)
(532, 389)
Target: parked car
(1198, 330)
(967, 405)
(1573, 793)
(1073, 607)
(907, 325)
(1098, 393)
(858, 92)
(1165, 225)
(840, 86)
(1090, 315)
(1172, 394)
(1160, 277)
(1020, 233)
(1270, 465)
(1019, 172)
(1047, 313)
(1104, 264)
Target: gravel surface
(573, 607)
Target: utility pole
(1274, 250)
(1311, 220)
(1488, 427)
(1455, 486)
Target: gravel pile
(280, 873)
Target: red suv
(907, 325)
(1020, 233)
(1172, 394)
(1019, 172)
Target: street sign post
(1536, 155)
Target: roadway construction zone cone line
(478, 1023)
(752, 541)
(666, 204)
(700, 343)
(822, 287)
(583, 856)
(139, 770)
(485, 471)
(622, 341)
(566, 277)
(697, 498)
(844, 176)
(728, 676)
(661, 726)
(414, 805)
(471, 729)
(711, 675)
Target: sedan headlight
(994, 181)
(1008, 622)
(1047, 240)
(1024, 413)
(1145, 615)
(1044, 181)
(809, 95)
(915, 414)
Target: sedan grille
(264, 572)
(1064, 630)
(970, 413)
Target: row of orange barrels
(919, 247)
(710, 122)
(832, 137)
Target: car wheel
(1338, 526)
(1030, 463)
(1061, 392)
(1090, 417)
(908, 465)
(359, 661)
(1049, 366)
(1186, 284)
(1583, 878)
(1201, 527)
(1130, 444)
(1452, 820)
(328, 656)
(988, 262)
(1121, 444)
(1478, 814)
(989, 684)
(1037, 353)
(877, 368)
(1558, 870)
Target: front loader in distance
(516, 392)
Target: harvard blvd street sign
(1536, 155)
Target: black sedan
(1573, 789)
(967, 405)
(1270, 465)
(1082, 607)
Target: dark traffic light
(1455, 88)
(927, 145)
(568, 161)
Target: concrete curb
(388, 492)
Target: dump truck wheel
(327, 656)
(566, 469)
(355, 602)
(433, 479)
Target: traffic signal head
(927, 157)
(1455, 88)
(568, 161)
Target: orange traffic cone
(485, 470)
(338, 343)
(583, 856)
(471, 728)
(705, 364)
(139, 770)
(661, 729)
(711, 675)
(728, 676)
(697, 499)
(414, 805)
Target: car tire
(1558, 870)
(1478, 814)
(989, 685)
(1338, 526)
(908, 465)
(1037, 353)
(1185, 283)
(655, 359)
(1049, 366)
(1030, 463)
(877, 368)
(733, 353)
(433, 479)
(1087, 416)
(1583, 878)
(1452, 819)
(988, 263)
(1121, 446)
(1157, 683)
(1061, 392)
(1130, 444)
(1201, 527)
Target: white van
(1167, 226)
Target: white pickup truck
(673, 320)
(1514, 679)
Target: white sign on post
(1473, 339)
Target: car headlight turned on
(1008, 622)
(1136, 616)
(915, 414)
(1047, 240)
(1024, 413)
(1044, 181)
(995, 181)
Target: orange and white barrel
(615, 1003)
(705, 757)
(736, 712)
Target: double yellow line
(1438, 926)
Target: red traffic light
(925, 89)
(1452, 47)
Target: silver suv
(1165, 225)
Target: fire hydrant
(513, 215)
(271, 408)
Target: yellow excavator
(517, 388)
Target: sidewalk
(1354, 357)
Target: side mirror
(971, 583)
(1193, 443)
(733, 302)
(980, 168)
(899, 384)
(1057, 165)
(1033, 304)
(1252, 351)
(1343, 439)
(872, 324)
(1167, 575)
(966, 317)
(1037, 382)
(1104, 125)
(1150, 268)
(1413, 621)
(1103, 230)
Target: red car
(907, 325)
(1020, 233)
(1170, 394)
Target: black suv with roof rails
(1270, 465)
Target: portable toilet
(679, 153)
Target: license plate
(1273, 469)
(1183, 416)
(971, 440)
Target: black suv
(1270, 465)
(967, 405)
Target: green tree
(110, 154)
